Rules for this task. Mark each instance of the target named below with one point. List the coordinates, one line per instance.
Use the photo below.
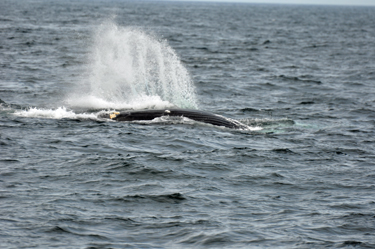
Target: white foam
(58, 113)
(256, 128)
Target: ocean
(300, 77)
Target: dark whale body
(196, 115)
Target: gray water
(301, 77)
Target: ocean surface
(302, 78)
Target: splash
(133, 70)
(58, 113)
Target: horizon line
(325, 3)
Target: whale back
(196, 115)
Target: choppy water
(301, 77)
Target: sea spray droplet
(129, 67)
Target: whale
(196, 115)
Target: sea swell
(303, 74)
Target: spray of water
(58, 113)
(134, 70)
